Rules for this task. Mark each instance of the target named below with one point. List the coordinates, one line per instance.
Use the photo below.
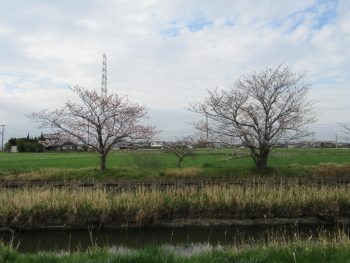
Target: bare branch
(98, 122)
(262, 109)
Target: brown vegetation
(32, 208)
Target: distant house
(327, 144)
(317, 144)
(126, 146)
(13, 149)
(53, 142)
(62, 146)
(158, 145)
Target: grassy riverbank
(326, 171)
(320, 250)
(37, 207)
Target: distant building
(13, 149)
(316, 144)
(327, 144)
(62, 146)
(53, 142)
(157, 144)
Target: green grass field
(280, 253)
(217, 158)
(139, 163)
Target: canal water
(70, 240)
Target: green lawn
(317, 253)
(156, 162)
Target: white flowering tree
(98, 122)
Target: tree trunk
(103, 158)
(260, 159)
(179, 161)
(262, 163)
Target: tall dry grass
(38, 206)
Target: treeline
(27, 144)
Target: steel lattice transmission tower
(104, 76)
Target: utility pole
(336, 140)
(207, 129)
(88, 137)
(2, 136)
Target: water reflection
(70, 240)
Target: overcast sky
(165, 54)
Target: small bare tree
(98, 122)
(346, 128)
(206, 135)
(261, 109)
(182, 148)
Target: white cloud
(4, 30)
(167, 53)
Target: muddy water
(69, 240)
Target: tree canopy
(98, 122)
(261, 110)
